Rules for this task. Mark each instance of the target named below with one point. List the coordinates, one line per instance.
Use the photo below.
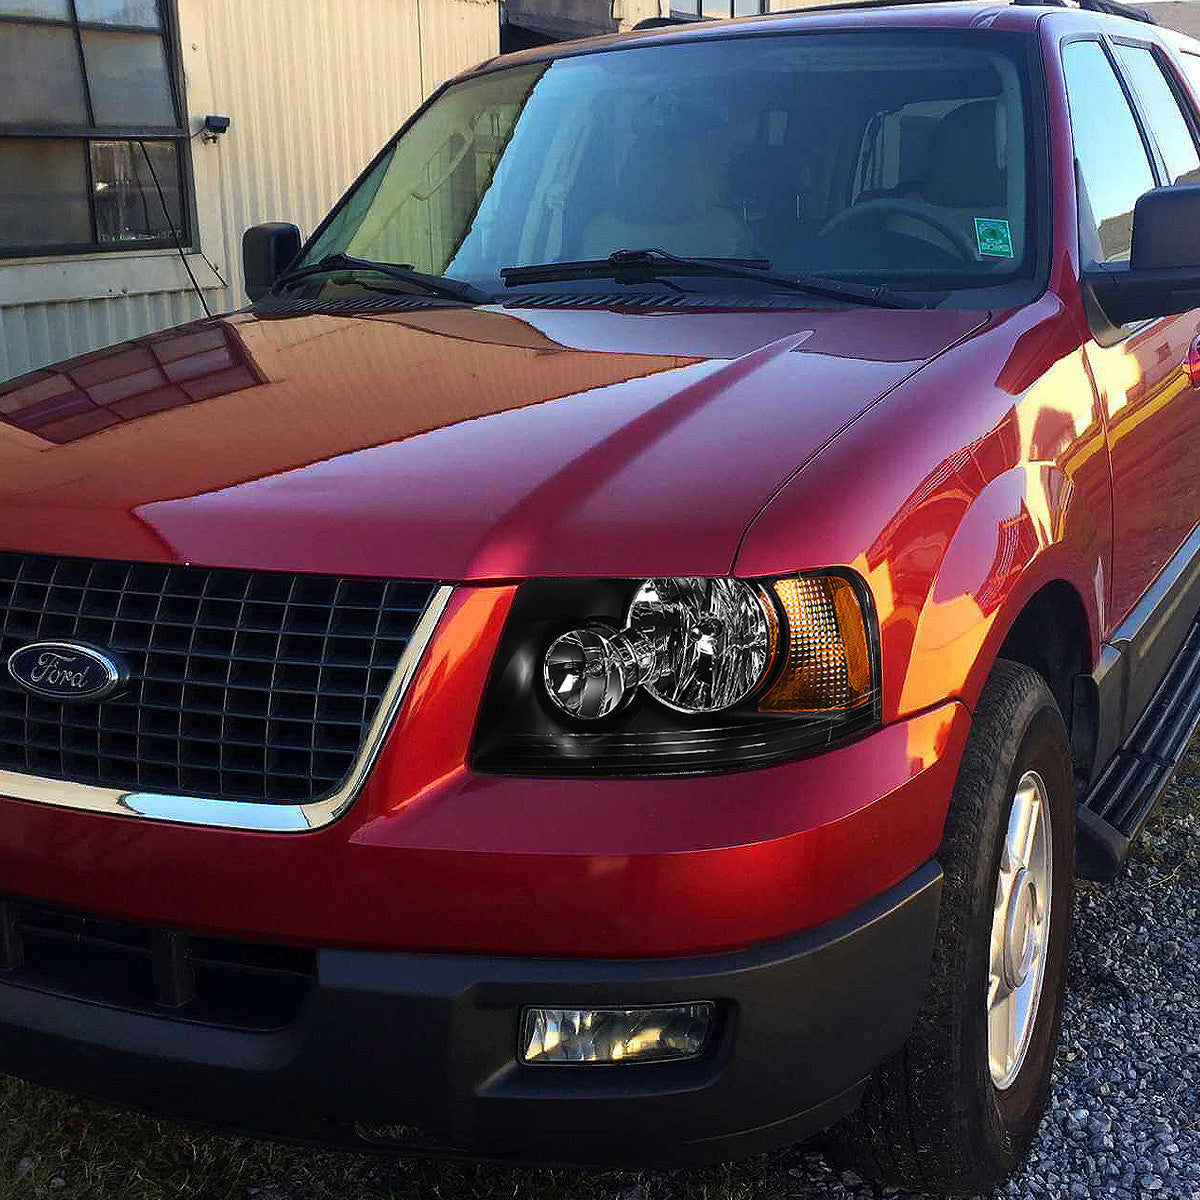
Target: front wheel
(956, 1110)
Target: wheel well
(1050, 635)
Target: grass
(57, 1146)
(1166, 847)
(1186, 783)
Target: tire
(933, 1118)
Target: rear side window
(1161, 106)
(1191, 68)
(1113, 167)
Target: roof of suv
(856, 14)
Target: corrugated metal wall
(314, 88)
(629, 12)
(34, 334)
(314, 94)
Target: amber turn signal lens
(828, 663)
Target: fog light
(615, 1035)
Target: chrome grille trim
(249, 685)
(246, 815)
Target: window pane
(30, 57)
(59, 10)
(715, 8)
(685, 8)
(143, 13)
(714, 148)
(128, 207)
(128, 76)
(1112, 158)
(43, 194)
(1191, 68)
(1162, 111)
(747, 8)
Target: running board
(1114, 812)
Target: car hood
(443, 443)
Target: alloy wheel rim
(1020, 931)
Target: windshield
(881, 156)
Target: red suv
(618, 654)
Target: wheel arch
(1050, 635)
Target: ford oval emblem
(65, 671)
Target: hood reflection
(148, 375)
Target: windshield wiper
(431, 285)
(623, 263)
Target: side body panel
(1154, 426)
(1152, 413)
(1151, 407)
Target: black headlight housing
(521, 731)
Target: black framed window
(707, 9)
(1163, 112)
(93, 139)
(1113, 162)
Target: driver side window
(1113, 166)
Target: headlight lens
(696, 645)
(679, 675)
(715, 640)
(586, 674)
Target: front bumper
(416, 1052)
(432, 855)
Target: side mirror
(267, 251)
(1163, 276)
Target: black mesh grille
(244, 685)
(211, 981)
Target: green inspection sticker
(993, 237)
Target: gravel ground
(1124, 1118)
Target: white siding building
(93, 93)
